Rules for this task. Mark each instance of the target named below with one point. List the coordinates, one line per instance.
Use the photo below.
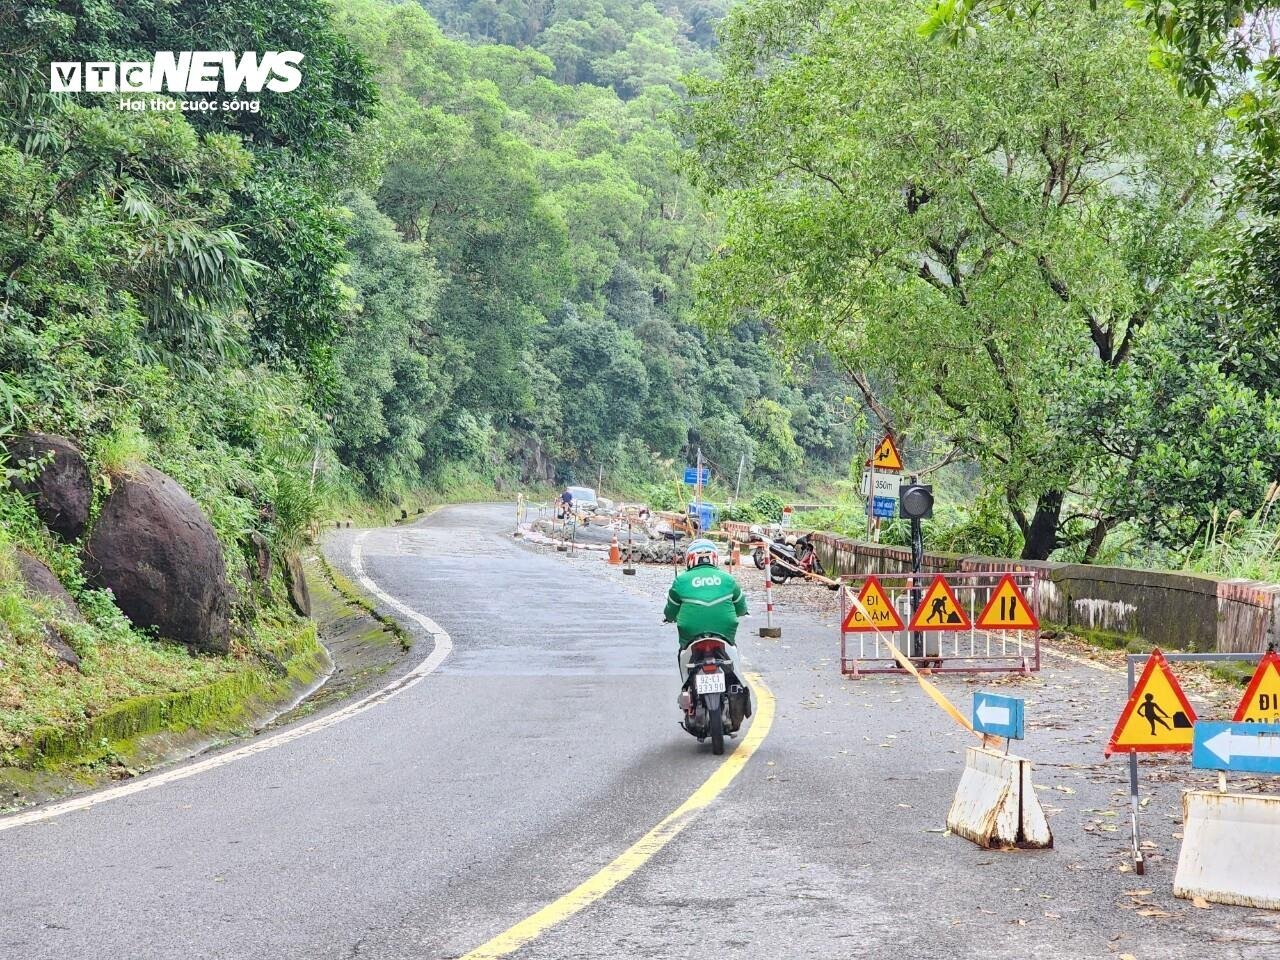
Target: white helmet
(701, 551)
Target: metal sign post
(1139, 861)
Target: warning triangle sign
(886, 456)
(1157, 717)
(940, 610)
(1261, 700)
(1007, 609)
(879, 614)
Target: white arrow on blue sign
(1239, 747)
(998, 716)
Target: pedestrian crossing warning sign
(1157, 718)
(1261, 700)
(1007, 609)
(940, 610)
(886, 456)
(879, 612)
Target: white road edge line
(443, 646)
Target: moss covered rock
(157, 552)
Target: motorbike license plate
(709, 682)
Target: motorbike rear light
(706, 648)
(709, 668)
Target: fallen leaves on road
(1200, 903)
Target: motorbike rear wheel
(757, 556)
(717, 729)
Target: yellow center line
(640, 852)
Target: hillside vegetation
(449, 262)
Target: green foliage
(564, 239)
(121, 450)
(767, 506)
(885, 203)
(1240, 545)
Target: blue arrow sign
(691, 475)
(1239, 747)
(997, 715)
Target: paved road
(544, 746)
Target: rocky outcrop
(40, 581)
(62, 488)
(154, 548)
(260, 565)
(295, 579)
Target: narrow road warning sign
(886, 456)
(1157, 718)
(1007, 609)
(875, 601)
(1261, 700)
(940, 610)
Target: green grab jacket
(705, 599)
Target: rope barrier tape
(929, 688)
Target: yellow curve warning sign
(886, 456)
(876, 603)
(1007, 609)
(940, 610)
(1157, 717)
(1261, 700)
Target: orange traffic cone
(615, 555)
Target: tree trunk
(1096, 538)
(1041, 537)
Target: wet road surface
(546, 743)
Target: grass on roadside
(117, 662)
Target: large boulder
(40, 581)
(62, 488)
(154, 548)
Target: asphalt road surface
(545, 744)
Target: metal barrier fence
(980, 622)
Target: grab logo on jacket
(706, 581)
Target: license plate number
(709, 682)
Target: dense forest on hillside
(445, 257)
(456, 259)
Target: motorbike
(714, 699)
(793, 557)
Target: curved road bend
(546, 744)
(540, 749)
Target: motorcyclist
(705, 600)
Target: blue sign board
(883, 506)
(691, 475)
(1239, 747)
(997, 715)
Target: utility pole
(737, 487)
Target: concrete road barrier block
(996, 805)
(1230, 848)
